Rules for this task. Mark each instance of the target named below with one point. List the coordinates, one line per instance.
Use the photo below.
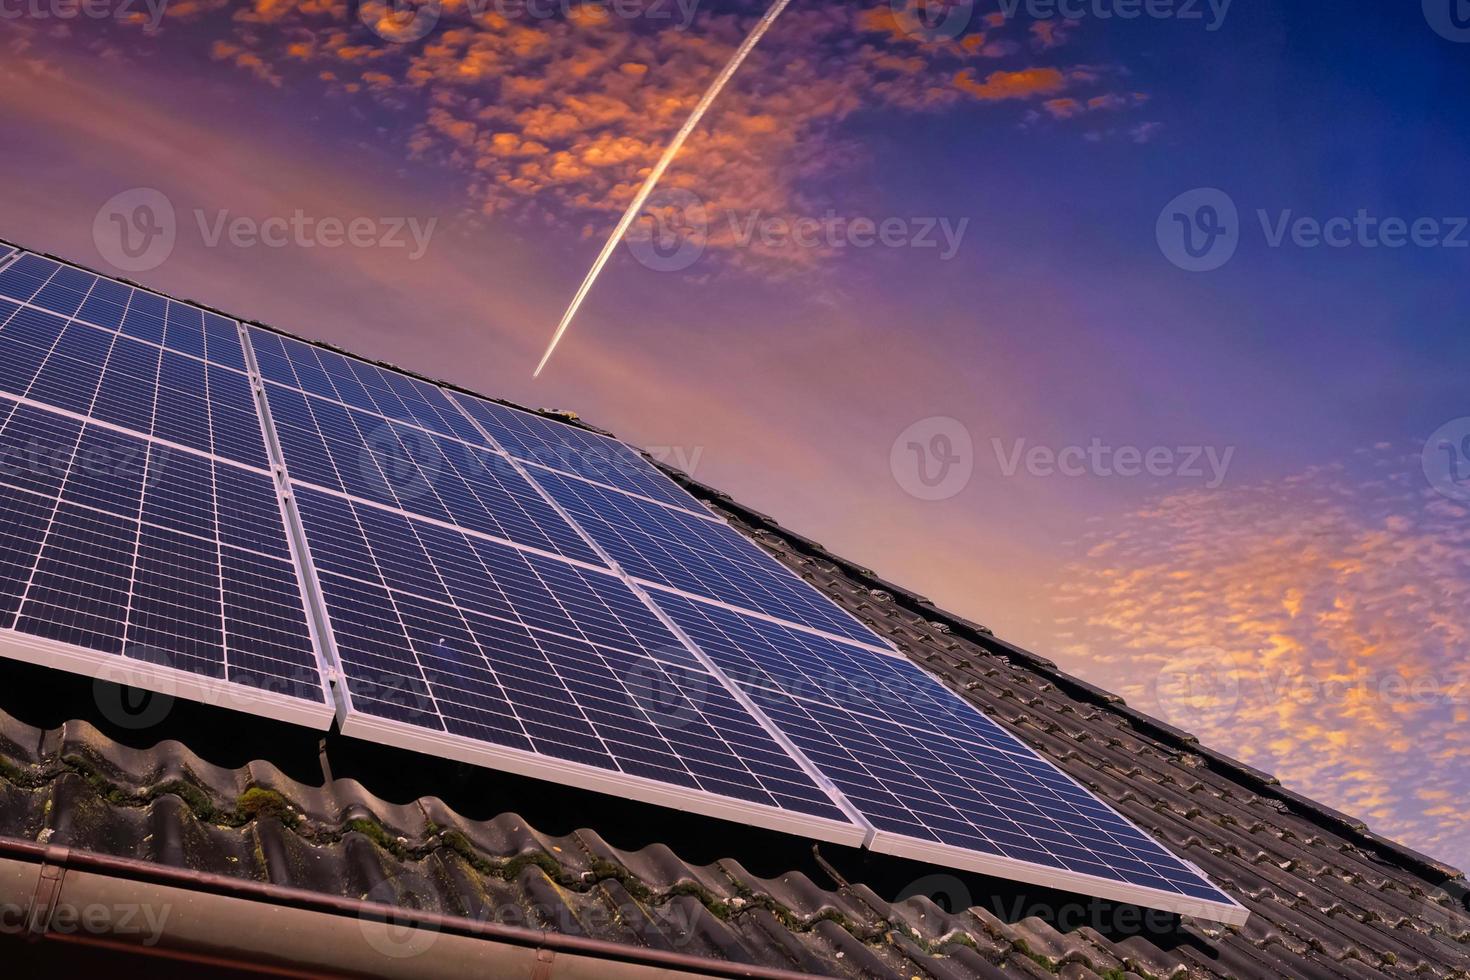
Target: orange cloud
(1024, 84)
(248, 60)
(1313, 626)
(1063, 108)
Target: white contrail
(657, 173)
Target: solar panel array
(141, 524)
(471, 618)
(482, 583)
(931, 776)
(922, 765)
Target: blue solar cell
(182, 418)
(64, 291)
(78, 593)
(107, 472)
(126, 400)
(266, 635)
(327, 444)
(428, 561)
(36, 449)
(180, 493)
(106, 304)
(359, 385)
(184, 329)
(238, 436)
(71, 292)
(698, 555)
(222, 342)
(249, 512)
(176, 616)
(66, 383)
(183, 374)
(135, 359)
(24, 277)
(24, 518)
(572, 450)
(145, 317)
(921, 763)
(35, 328)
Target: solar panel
(46, 285)
(470, 619)
(53, 357)
(125, 558)
(358, 384)
(462, 646)
(701, 556)
(392, 460)
(938, 780)
(134, 544)
(563, 447)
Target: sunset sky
(1240, 497)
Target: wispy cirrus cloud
(1312, 625)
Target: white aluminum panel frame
(113, 668)
(1230, 912)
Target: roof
(295, 820)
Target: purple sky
(926, 299)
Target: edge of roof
(1262, 783)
